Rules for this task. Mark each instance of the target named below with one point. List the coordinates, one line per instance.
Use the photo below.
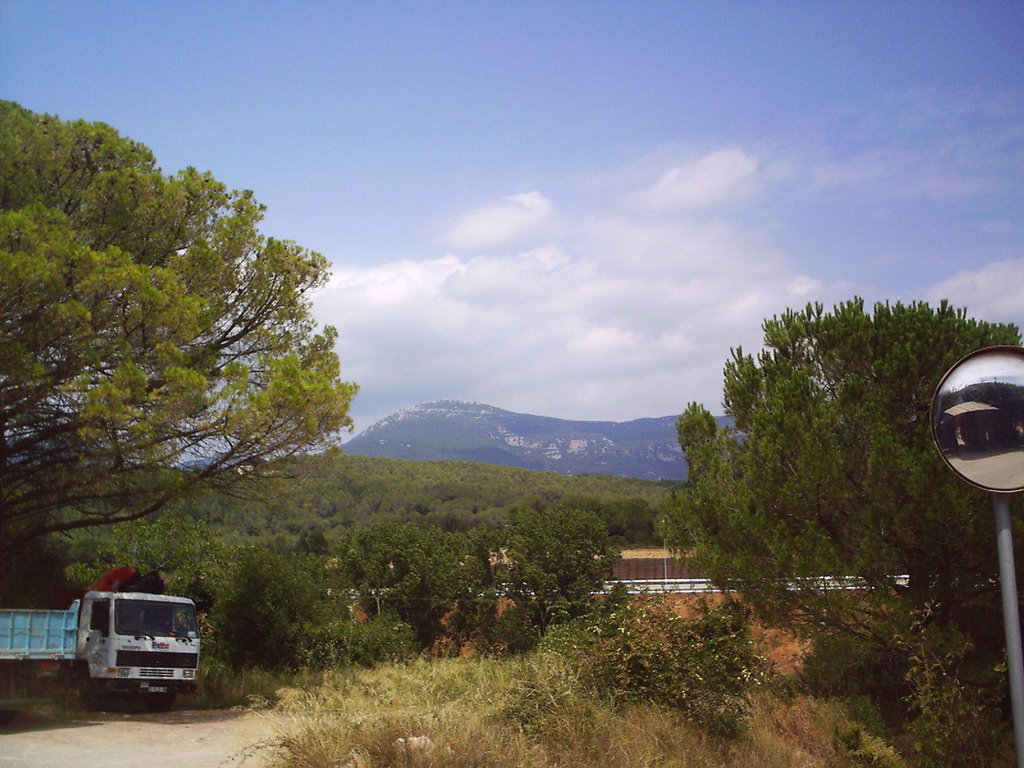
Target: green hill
(320, 496)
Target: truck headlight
(188, 673)
(124, 671)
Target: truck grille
(151, 672)
(157, 659)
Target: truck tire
(159, 702)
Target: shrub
(265, 610)
(863, 748)
(644, 652)
(514, 631)
(341, 642)
(954, 722)
(848, 666)
(576, 639)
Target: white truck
(112, 642)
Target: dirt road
(193, 738)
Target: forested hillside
(316, 498)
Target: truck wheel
(159, 702)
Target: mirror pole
(1011, 618)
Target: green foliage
(849, 666)
(343, 642)
(513, 631)
(444, 589)
(151, 340)
(549, 563)
(831, 471)
(474, 617)
(629, 521)
(331, 493)
(415, 573)
(954, 709)
(705, 666)
(556, 559)
(867, 749)
(264, 614)
(185, 551)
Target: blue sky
(574, 209)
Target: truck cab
(137, 642)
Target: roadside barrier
(705, 586)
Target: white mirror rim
(977, 419)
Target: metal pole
(1011, 618)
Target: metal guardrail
(664, 586)
(705, 586)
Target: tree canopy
(830, 470)
(152, 340)
(556, 560)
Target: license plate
(157, 688)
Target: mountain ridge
(645, 448)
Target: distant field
(645, 552)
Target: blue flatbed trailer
(32, 636)
(35, 634)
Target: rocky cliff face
(455, 430)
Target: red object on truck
(114, 578)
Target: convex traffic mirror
(977, 418)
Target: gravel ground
(192, 738)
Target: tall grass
(220, 686)
(532, 712)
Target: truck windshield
(150, 617)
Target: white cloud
(622, 317)
(502, 223)
(994, 292)
(605, 340)
(615, 313)
(495, 278)
(390, 284)
(802, 285)
(721, 176)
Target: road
(193, 738)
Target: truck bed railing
(42, 635)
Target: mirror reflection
(977, 418)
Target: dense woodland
(320, 497)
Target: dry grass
(526, 713)
(426, 713)
(646, 552)
(221, 687)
